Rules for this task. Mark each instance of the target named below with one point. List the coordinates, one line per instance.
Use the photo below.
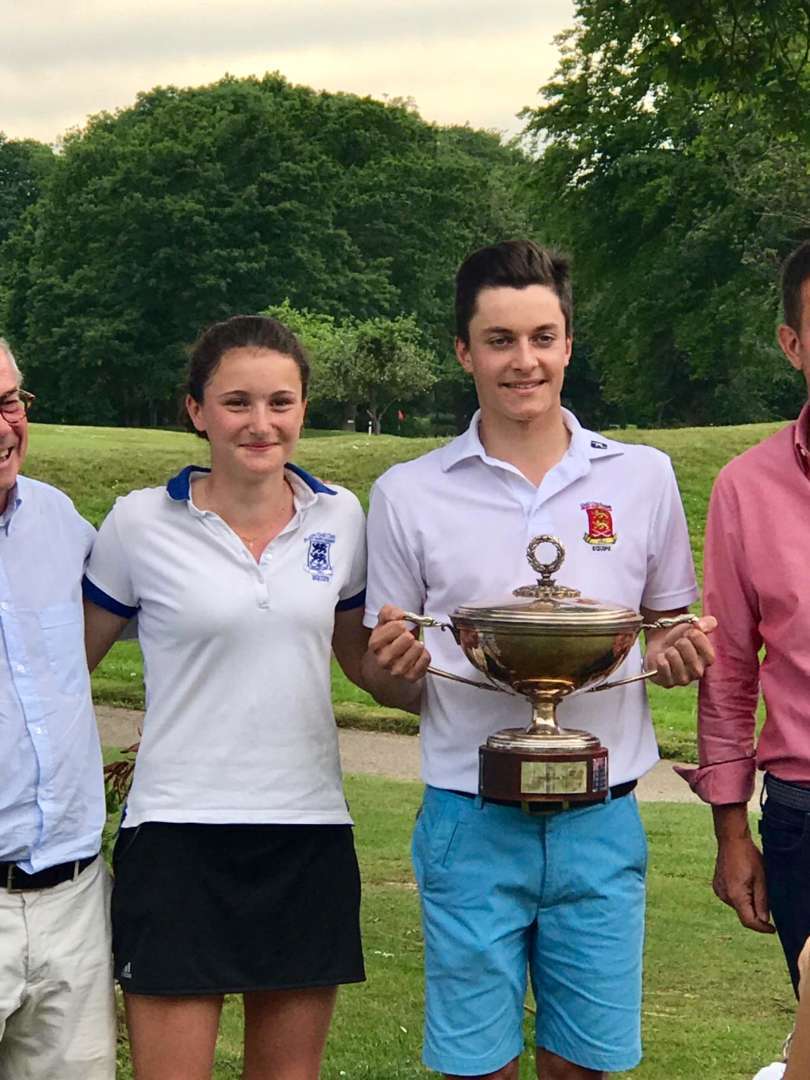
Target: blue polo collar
(311, 481)
(179, 487)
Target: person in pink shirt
(757, 585)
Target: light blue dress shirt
(52, 806)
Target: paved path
(396, 756)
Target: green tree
(195, 204)
(24, 167)
(388, 365)
(651, 146)
(328, 345)
(372, 364)
(636, 55)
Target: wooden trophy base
(578, 774)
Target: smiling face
(517, 354)
(13, 436)
(252, 411)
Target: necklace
(280, 511)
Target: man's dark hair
(240, 331)
(795, 271)
(515, 264)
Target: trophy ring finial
(545, 570)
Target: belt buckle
(10, 887)
(10, 875)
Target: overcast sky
(476, 61)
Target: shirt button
(20, 669)
(4, 606)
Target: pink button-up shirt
(757, 585)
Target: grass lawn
(717, 1001)
(94, 465)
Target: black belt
(787, 794)
(554, 807)
(13, 879)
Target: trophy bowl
(544, 642)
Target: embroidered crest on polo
(319, 555)
(600, 534)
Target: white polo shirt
(239, 724)
(452, 528)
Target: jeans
(785, 833)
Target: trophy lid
(547, 607)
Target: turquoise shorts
(558, 896)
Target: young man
(57, 1010)
(559, 893)
(756, 583)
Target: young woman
(235, 866)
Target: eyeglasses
(16, 405)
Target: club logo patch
(319, 556)
(600, 534)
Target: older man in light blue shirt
(57, 1016)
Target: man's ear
(789, 342)
(463, 355)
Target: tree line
(673, 161)
(251, 193)
(670, 155)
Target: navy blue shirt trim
(358, 600)
(98, 597)
(310, 480)
(179, 486)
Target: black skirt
(211, 909)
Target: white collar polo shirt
(452, 528)
(239, 724)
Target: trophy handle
(621, 682)
(665, 624)
(659, 624)
(429, 621)
(460, 678)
